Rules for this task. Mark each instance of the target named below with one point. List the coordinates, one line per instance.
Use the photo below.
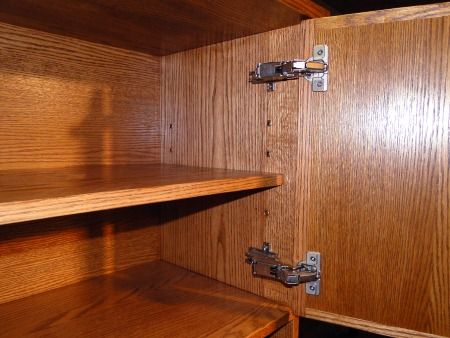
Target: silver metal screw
(313, 259)
(312, 288)
(266, 247)
(320, 52)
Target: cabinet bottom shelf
(156, 299)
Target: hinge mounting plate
(266, 264)
(313, 287)
(314, 69)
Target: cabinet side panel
(213, 117)
(69, 102)
(379, 197)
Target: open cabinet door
(377, 148)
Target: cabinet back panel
(213, 117)
(69, 102)
(42, 255)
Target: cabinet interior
(97, 163)
(135, 171)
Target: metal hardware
(313, 259)
(314, 69)
(266, 264)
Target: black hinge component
(266, 264)
(314, 69)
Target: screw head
(266, 247)
(313, 259)
(312, 288)
(266, 212)
(319, 84)
(320, 52)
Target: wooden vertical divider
(213, 117)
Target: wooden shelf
(35, 194)
(155, 299)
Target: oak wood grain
(384, 330)
(284, 225)
(42, 193)
(69, 102)
(151, 300)
(387, 15)
(290, 330)
(43, 255)
(379, 198)
(310, 9)
(157, 27)
(215, 118)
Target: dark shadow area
(124, 219)
(355, 6)
(91, 132)
(182, 208)
(310, 328)
(152, 26)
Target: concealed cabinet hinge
(266, 264)
(314, 69)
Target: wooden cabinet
(132, 184)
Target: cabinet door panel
(378, 181)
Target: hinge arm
(314, 69)
(266, 264)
